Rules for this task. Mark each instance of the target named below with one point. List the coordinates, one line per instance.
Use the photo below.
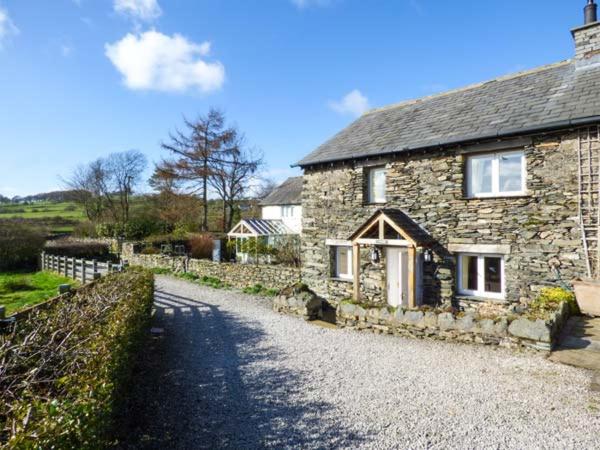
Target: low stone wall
(236, 275)
(510, 331)
(298, 300)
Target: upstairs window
(496, 174)
(287, 211)
(377, 185)
(343, 263)
(481, 275)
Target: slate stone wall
(507, 330)
(541, 227)
(236, 275)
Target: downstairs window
(481, 275)
(343, 263)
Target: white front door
(397, 276)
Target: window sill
(480, 299)
(342, 280)
(499, 197)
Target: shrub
(66, 369)
(85, 229)
(150, 251)
(550, 299)
(79, 249)
(20, 245)
(141, 227)
(201, 246)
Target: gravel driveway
(230, 373)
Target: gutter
(536, 129)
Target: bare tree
(205, 142)
(125, 171)
(232, 176)
(104, 186)
(266, 186)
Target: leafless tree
(125, 171)
(204, 143)
(104, 186)
(232, 176)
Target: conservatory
(256, 239)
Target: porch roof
(399, 220)
(259, 227)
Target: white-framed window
(497, 174)
(481, 275)
(377, 185)
(343, 263)
(287, 211)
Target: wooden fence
(78, 269)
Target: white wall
(294, 222)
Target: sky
(80, 79)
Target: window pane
(480, 171)
(511, 173)
(493, 275)
(377, 186)
(469, 272)
(343, 259)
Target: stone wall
(236, 275)
(511, 331)
(541, 227)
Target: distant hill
(4, 199)
(55, 196)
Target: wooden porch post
(412, 277)
(356, 269)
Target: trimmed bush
(66, 368)
(201, 246)
(79, 249)
(20, 246)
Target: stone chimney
(587, 37)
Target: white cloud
(145, 10)
(308, 3)
(354, 103)
(154, 61)
(7, 27)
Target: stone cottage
(486, 193)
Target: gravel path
(230, 373)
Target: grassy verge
(20, 290)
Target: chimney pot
(591, 12)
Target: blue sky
(82, 78)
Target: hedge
(67, 366)
(79, 249)
(20, 245)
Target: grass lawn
(20, 290)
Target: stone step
(576, 357)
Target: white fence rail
(78, 269)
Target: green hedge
(66, 368)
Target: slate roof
(288, 193)
(550, 97)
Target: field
(20, 290)
(55, 217)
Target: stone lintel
(338, 243)
(480, 248)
